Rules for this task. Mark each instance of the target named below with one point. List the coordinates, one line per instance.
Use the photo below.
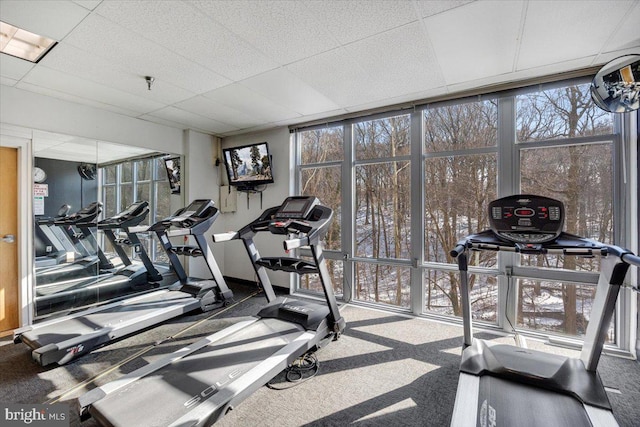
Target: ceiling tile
(477, 40)
(349, 21)
(200, 39)
(7, 81)
(63, 82)
(284, 30)
(339, 76)
(285, 89)
(132, 52)
(73, 61)
(400, 60)
(74, 98)
(311, 117)
(626, 35)
(14, 68)
(88, 4)
(433, 7)
(213, 110)
(193, 121)
(243, 99)
(50, 18)
(558, 31)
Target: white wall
(236, 262)
(202, 182)
(34, 111)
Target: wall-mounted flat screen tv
(249, 165)
(172, 164)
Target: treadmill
(504, 385)
(199, 384)
(93, 263)
(57, 248)
(125, 279)
(63, 339)
(129, 221)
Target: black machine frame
(200, 383)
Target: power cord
(302, 369)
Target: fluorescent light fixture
(17, 42)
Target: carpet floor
(385, 370)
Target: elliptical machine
(503, 385)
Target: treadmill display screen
(526, 218)
(296, 207)
(196, 207)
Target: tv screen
(173, 173)
(248, 165)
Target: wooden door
(9, 287)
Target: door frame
(21, 140)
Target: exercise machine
(63, 339)
(92, 263)
(54, 247)
(504, 385)
(129, 276)
(194, 220)
(200, 383)
(128, 221)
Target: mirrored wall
(92, 204)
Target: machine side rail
(225, 237)
(612, 274)
(631, 259)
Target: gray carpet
(385, 370)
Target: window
(460, 179)
(131, 181)
(320, 174)
(566, 152)
(410, 201)
(382, 209)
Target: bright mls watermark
(56, 415)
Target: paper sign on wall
(41, 190)
(38, 205)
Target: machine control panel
(526, 218)
(296, 207)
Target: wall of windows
(407, 187)
(127, 182)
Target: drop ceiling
(231, 67)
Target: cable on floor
(302, 369)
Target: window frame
(508, 151)
(154, 184)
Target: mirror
(616, 87)
(78, 183)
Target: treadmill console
(526, 218)
(296, 207)
(85, 215)
(137, 210)
(293, 215)
(197, 210)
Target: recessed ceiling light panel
(23, 44)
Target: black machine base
(208, 294)
(552, 372)
(307, 314)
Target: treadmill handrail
(225, 237)
(631, 259)
(295, 243)
(565, 244)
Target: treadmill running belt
(504, 403)
(129, 311)
(169, 393)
